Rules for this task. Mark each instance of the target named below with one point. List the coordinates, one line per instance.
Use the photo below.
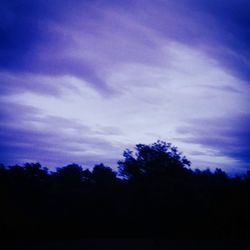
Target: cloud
(232, 34)
(224, 136)
(32, 41)
(26, 134)
(19, 83)
(219, 28)
(152, 101)
(85, 39)
(122, 71)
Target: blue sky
(80, 81)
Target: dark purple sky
(80, 81)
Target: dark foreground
(125, 244)
(158, 197)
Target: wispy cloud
(123, 72)
(222, 137)
(27, 134)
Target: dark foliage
(155, 194)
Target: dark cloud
(228, 136)
(228, 22)
(220, 28)
(34, 34)
(233, 32)
(30, 43)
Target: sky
(81, 81)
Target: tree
(103, 174)
(70, 174)
(35, 170)
(152, 160)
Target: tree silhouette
(102, 174)
(157, 159)
(155, 194)
(70, 174)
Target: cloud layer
(82, 79)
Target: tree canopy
(152, 160)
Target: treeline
(153, 194)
